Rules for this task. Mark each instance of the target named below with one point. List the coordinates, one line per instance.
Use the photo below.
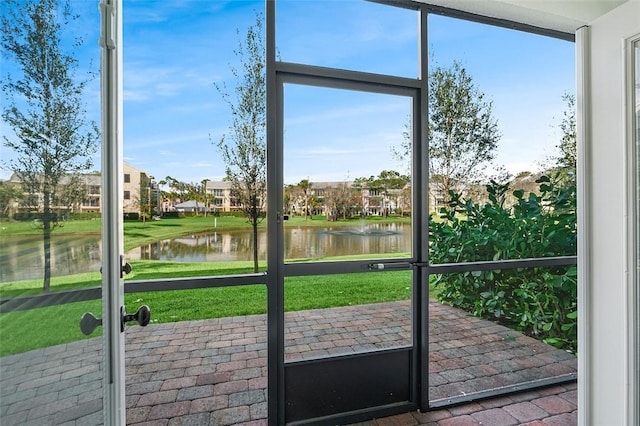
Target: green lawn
(25, 330)
(138, 233)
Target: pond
(300, 243)
(22, 258)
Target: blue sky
(175, 50)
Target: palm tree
(305, 186)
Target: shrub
(34, 216)
(232, 214)
(131, 216)
(171, 214)
(86, 216)
(541, 302)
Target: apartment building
(89, 193)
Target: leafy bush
(131, 216)
(31, 216)
(171, 214)
(231, 214)
(541, 302)
(86, 216)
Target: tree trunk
(306, 207)
(46, 238)
(255, 245)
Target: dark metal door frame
(279, 72)
(282, 376)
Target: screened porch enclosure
(423, 286)
(367, 115)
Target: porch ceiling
(560, 15)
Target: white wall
(604, 353)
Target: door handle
(125, 268)
(390, 265)
(142, 316)
(89, 322)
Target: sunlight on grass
(25, 330)
(67, 282)
(22, 331)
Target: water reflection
(303, 243)
(22, 258)
(203, 247)
(300, 243)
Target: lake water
(22, 258)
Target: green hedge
(541, 302)
(86, 216)
(131, 216)
(29, 216)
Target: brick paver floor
(551, 406)
(213, 372)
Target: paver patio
(214, 372)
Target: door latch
(142, 316)
(89, 322)
(125, 267)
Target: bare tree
(45, 109)
(243, 150)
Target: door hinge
(108, 30)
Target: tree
(405, 199)
(9, 194)
(244, 150)
(176, 192)
(305, 187)
(73, 191)
(341, 200)
(383, 184)
(387, 181)
(566, 160)
(204, 196)
(148, 196)
(567, 145)
(289, 195)
(463, 134)
(198, 193)
(45, 107)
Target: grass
(37, 328)
(33, 287)
(138, 233)
(143, 270)
(21, 331)
(85, 226)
